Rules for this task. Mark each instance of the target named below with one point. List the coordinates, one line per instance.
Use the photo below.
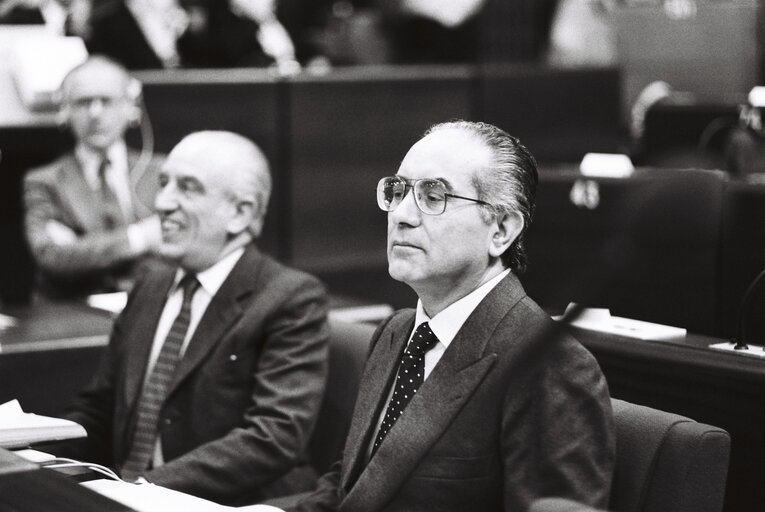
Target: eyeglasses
(429, 195)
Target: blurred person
(146, 34)
(474, 400)
(88, 218)
(61, 17)
(422, 31)
(215, 370)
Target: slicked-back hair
(508, 184)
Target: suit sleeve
(289, 380)
(568, 422)
(94, 407)
(91, 251)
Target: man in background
(215, 371)
(191, 33)
(474, 400)
(88, 217)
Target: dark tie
(111, 211)
(155, 390)
(411, 374)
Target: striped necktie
(155, 389)
(111, 211)
(411, 374)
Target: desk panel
(48, 356)
(348, 130)
(559, 114)
(646, 246)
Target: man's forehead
(96, 79)
(452, 155)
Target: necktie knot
(423, 340)
(189, 284)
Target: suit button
(168, 421)
(233, 357)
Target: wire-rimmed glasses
(430, 195)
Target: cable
(62, 462)
(147, 143)
(711, 129)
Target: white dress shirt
(116, 173)
(210, 280)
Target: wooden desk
(686, 377)
(45, 358)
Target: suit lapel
(379, 373)
(430, 412)
(139, 334)
(222, 312)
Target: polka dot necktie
(411, 374)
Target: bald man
(88, 215)
(216, 368)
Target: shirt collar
(90, 160)
(446, 324)
(212, 278)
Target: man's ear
(507, 227)
(244, 211)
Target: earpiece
(135, 92)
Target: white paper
(152, 498)
(112, 302)
(598, 319)
(19, 429)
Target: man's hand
(61, 234)
(256, 10)
(145, 235)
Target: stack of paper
(19, 429)
(600, 319)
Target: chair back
(348, 348)
(667, 462)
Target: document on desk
(600, 319)
(152, 498)
(19, 429)
(112, 302)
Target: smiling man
(473, 400)
(216, 368)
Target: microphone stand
(740, 340)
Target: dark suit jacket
(509, 414)
(244, 400)
(58, 191)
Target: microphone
(741, 331)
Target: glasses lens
(431, 196)
(390, 193)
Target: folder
(19, 429)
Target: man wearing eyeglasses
(474, 400)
